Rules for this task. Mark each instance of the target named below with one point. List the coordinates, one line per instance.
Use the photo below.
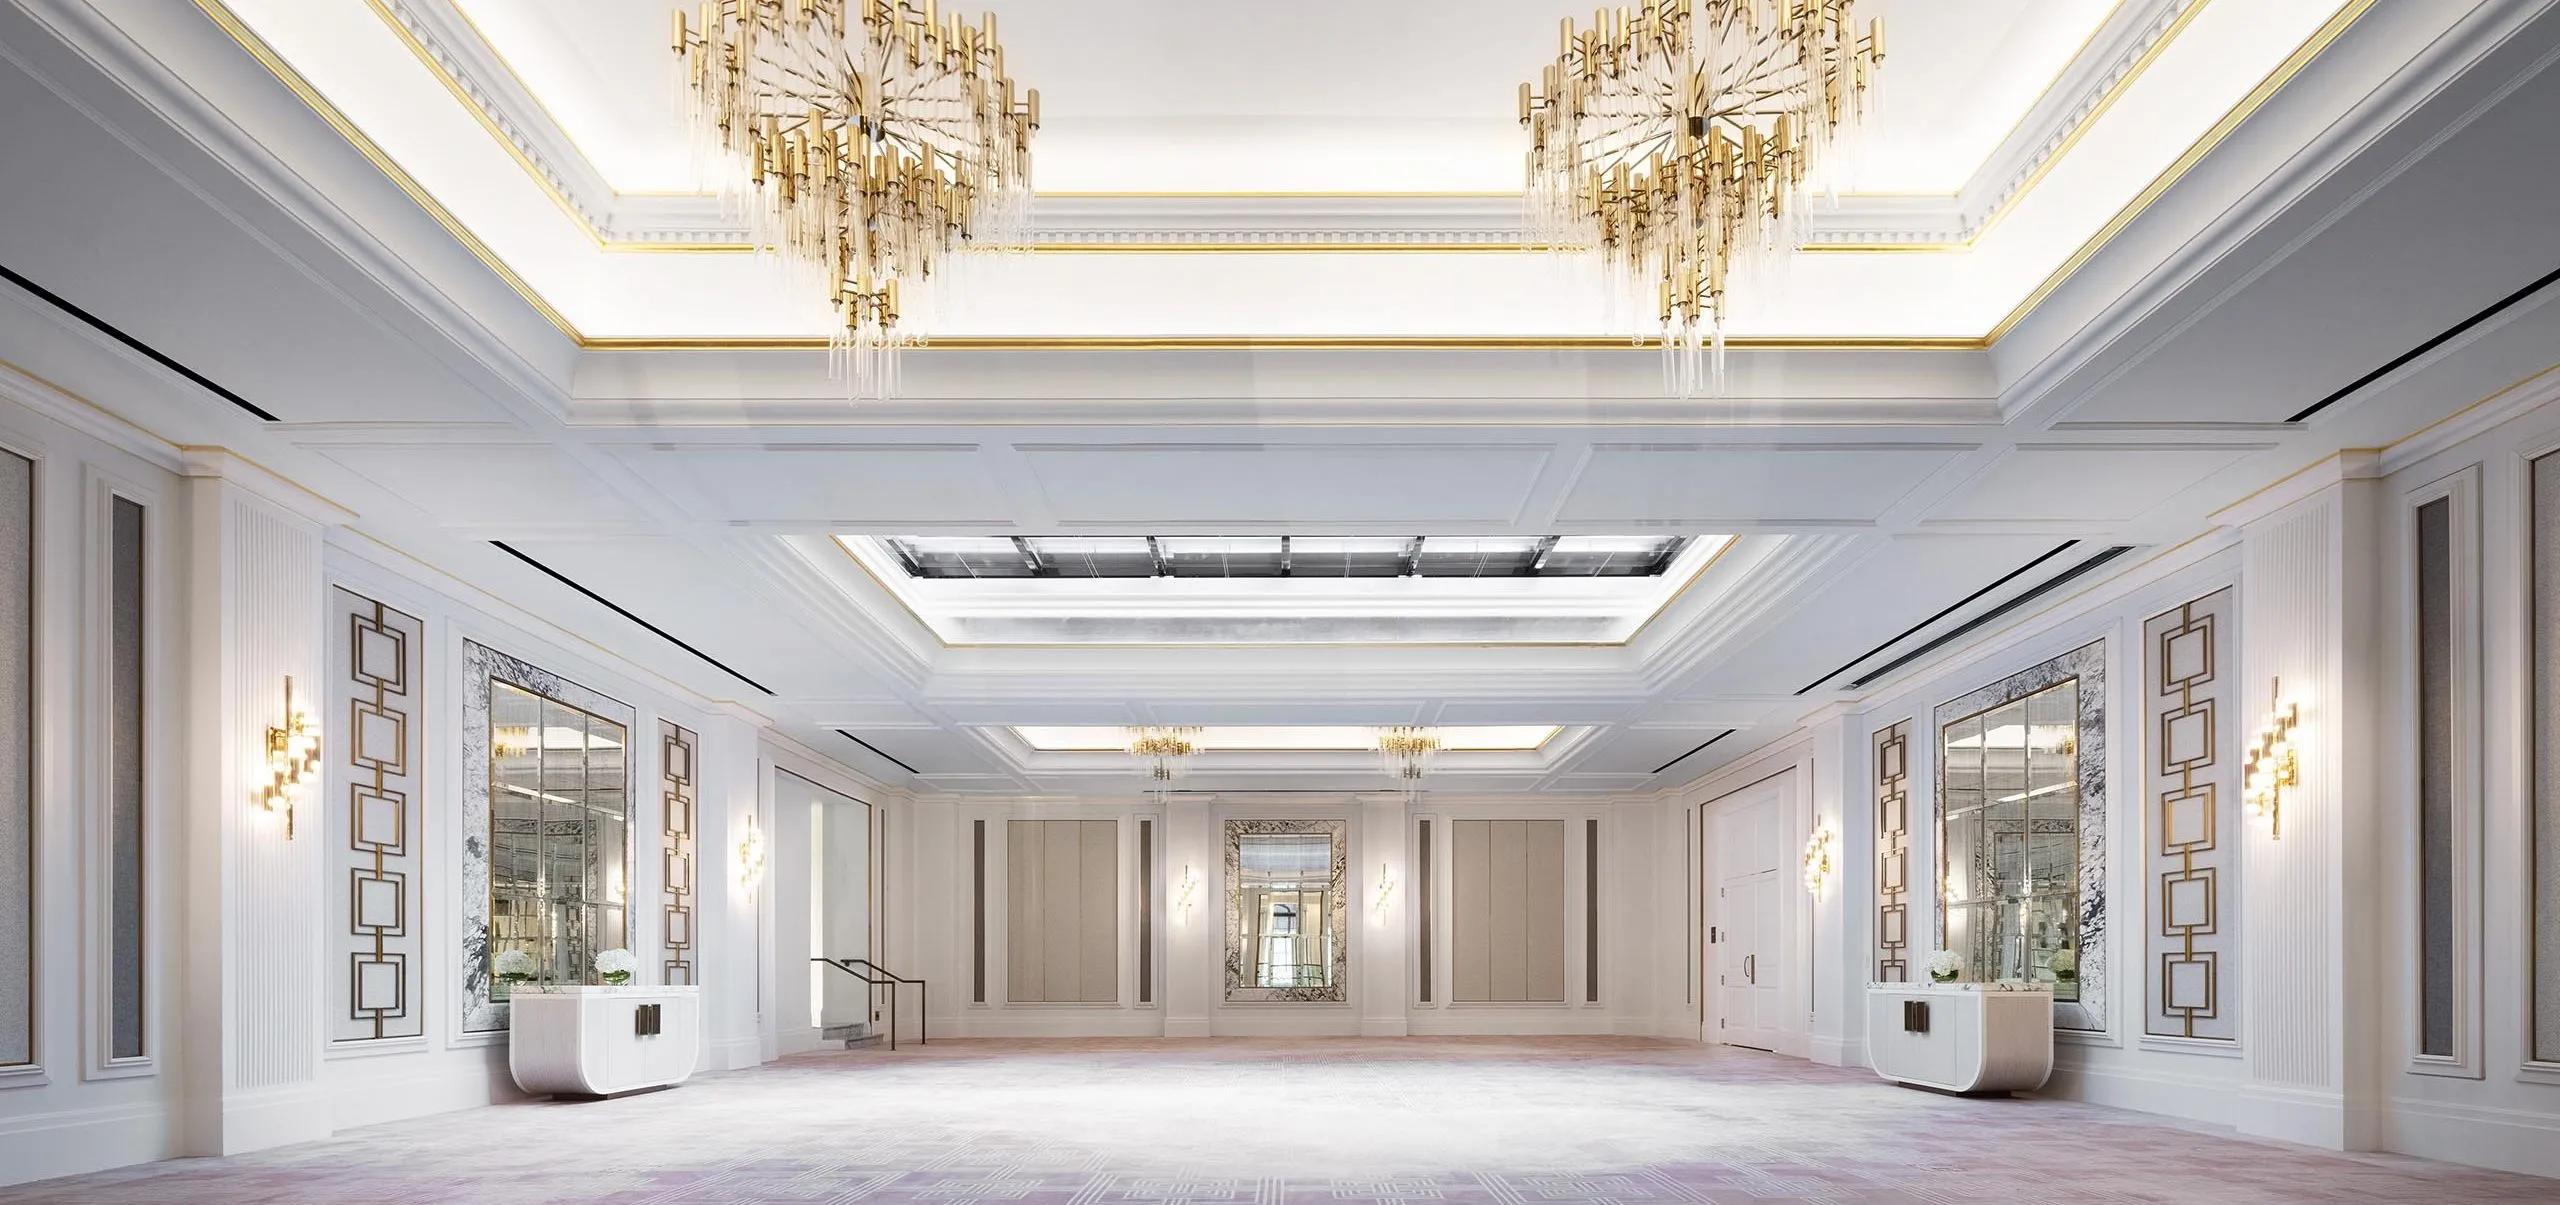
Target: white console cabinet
(1961, 1037)
(599, 1041)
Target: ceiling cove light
(1675, 137)
(866, 142)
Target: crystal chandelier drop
(1675, 137)
(1408, 753)
(1161, 750)
(865, 141)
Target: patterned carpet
(1349, 1122)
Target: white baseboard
(261, 1119)
(2209, 1099)
(1828, 1051)
(69, 1142)
(732, 1054)
(396, 1089)
(1266, 1025)
(1188, 1027)
(2292, 1115)
(2510, 1140)
(1385, 1027)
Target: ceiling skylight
(949, 557)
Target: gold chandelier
(867, 140)
(1162, 750)
(1407, 753)
(1676, 136)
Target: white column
(2308, 618)
(1382, 986)
(1191, 967)
(734, 947)
(1832, 798)
(251, 1009)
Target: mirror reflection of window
(559, 833)
(2009, 847)
(1286, 878)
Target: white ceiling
(2014, 133)
(218, 220)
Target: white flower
(616, 961)
(2063, 962)
(1945, 962)
(513, 964)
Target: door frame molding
(1795, 912)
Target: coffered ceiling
(2351, 266)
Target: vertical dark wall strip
(1591, 910)
(978, 912)
(2435, 779)
(17, 761)
(124, 778)
(1146, 911)
(1422, 907)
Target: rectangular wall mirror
(2009, 843)
(1286, 903)
(559, 833)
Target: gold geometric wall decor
(1893, 853)
(676, 849)
(2191, 840)
(374, 821)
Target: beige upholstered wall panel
(1507, 914)
(1063, 940)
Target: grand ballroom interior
(1097, 601)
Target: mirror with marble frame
(1287, 902)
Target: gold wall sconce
(293, 754)
(2272, 768)
(1817, 858)
(751, 855)
(1386, 889)
(1186, 891)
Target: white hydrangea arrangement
(616, 966)
(512, 966)
(1944, 966)
(2064, 964)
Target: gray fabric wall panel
(2545, 1021)
(124, 781)
(2436, 919)
(17, 763)
(1063, 943)
(1507, 915)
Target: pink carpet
(1463, 1121)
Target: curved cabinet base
(602, 1041)
(1961, 1037)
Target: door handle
(1751, 968)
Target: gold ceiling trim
(418, 50)
(224, 19)
(285, 73)
(1731, 541)
(1286, 342)
(2284, 72)
(1553, 731)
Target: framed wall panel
(2191, 832)
(678, 860)
(1892, 785)
(1507, 920)
(17, 762)
(1062, 932)
(2542, 1020)
(1146, 910)
(126, 609)
(374, 819)
(2445, 809)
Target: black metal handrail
(874, 977)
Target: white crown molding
(2130, 33)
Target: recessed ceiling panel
(487, 485)
(1368, 487)
(2082, 482)
(1640, 484)
(883, 483)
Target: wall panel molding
(374, 818)
(678, 859)
(2191, 829)
(1893, 854)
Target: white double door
(1746, 902)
